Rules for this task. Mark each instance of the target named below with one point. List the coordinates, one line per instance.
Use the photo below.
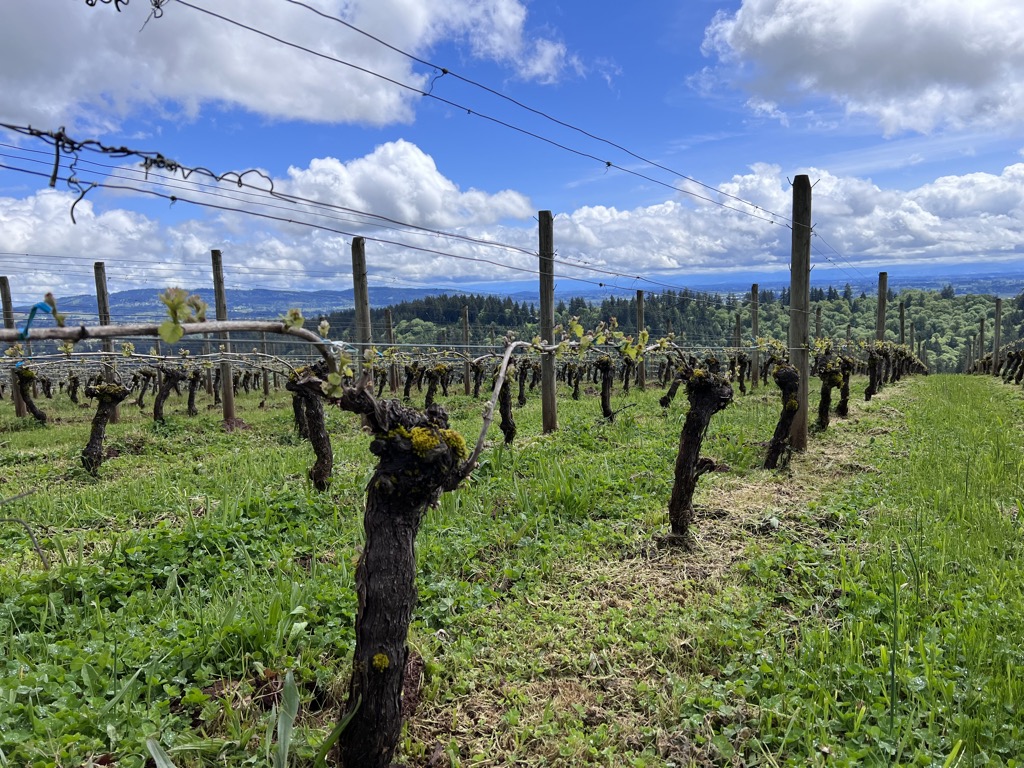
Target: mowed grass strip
(857, 609)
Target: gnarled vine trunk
(410, 378)
(419, 457)
(843, 406)
(306, 400)
(828, 367)
(670, 394)
(108, 397)
(507, 423)
(606, 369)
(171, 378)
(522, 373)
(788, 380)
(874, 374)
(147, 375)
(25, 378)
(195, 378)
(478, 377)
(628, 366)
(708, 394)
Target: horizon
(898, 281)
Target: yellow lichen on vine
(381, 662)
(456, 442)
(424, 440)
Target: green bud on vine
(332, 387)
(198, 307)
(52, 303)
(293, 319)
(181, 308)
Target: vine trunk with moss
(108, 397)
(708, 393)
(308, 409)
(25, 378)
(787, 378)
(419, 457)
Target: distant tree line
(944, 322)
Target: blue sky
(908, 116)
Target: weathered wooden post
(389, 330)
(209, 369)
(466, 373)
(20, 409)
(157, 352)
(266, 373)
(103, 311)
(549, 412)
(997, 337)
(800, 305)
(980, 351)
(755, 356)
(641, 371)
(364, 338)
(220, 298)
(883, 291)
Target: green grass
(861, 607)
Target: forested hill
(943, 321)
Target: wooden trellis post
(220, 298)
(755, 356)
(997, 339)
(103, 310)
(883, 290)
(549, 408)
(364, 337)
(800, 305)
(8, 307)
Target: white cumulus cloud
(400, 181)
(915, 65)
(92, 66)
(975, 216)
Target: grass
(861, 607)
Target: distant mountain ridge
(243, 304)
(143, 304)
